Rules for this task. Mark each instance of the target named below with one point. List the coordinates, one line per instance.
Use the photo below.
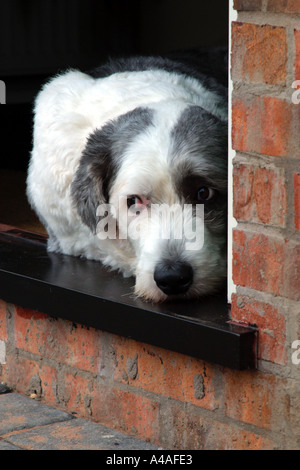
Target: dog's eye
(206, 194)
(134, 201)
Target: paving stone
(7, 446)
(76, 434)
(18, 412)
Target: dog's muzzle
(173, 278)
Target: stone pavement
(27, 424)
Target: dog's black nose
(173, 278)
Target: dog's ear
(101, 159)
(94, 175)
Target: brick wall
(167, 398)
(266, 188)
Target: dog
(131, 135)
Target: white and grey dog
(133, 134)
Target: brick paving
(27, 424)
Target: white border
(231, 288)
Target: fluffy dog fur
(139, 131)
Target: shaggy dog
(109, 146)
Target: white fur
(68, 109)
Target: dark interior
(41, 38)
(38, 39)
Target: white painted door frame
(231, 288)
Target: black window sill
(84, 292)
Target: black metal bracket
(85, 292)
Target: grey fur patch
(199, 158)
(203, 137)
(101, 160)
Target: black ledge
(86, 293)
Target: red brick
(271, 325)
(28, 376)
(292, 271)
(283, 6)
(59, 340)
(3, 327)
(297, 200)
(28, 330)
(268, 264)
(183, 429)
(259, 53)
(258, 262)
(259, 195)
(297, 60)
(278, 118)
(247, 5)
(256, 398)
(166, 373)
(222, 436)
(265, 125)
(125, 411)
(77, 392)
